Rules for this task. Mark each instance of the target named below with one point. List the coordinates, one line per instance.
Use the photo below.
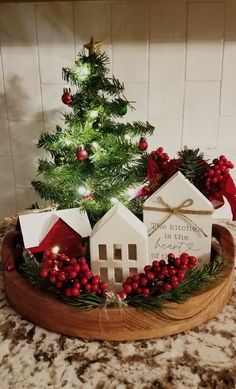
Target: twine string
(179, 211)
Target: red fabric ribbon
(228, 190)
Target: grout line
(8, 127)
(74, 30)
(111, 37)
(148, 62)
(38, 60)
(221, 77)
(185, 74)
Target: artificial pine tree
(94, 159)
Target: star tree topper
(92, 46)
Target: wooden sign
(179, 219)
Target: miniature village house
(64, 229)
(118, 245)
(178, 218)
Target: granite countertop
(31, 357)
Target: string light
(93, 114)
(131, 192)
(114, 200)
(95, 145)
(55, 249)
(128, 138)
(82, 190)
(84, 71)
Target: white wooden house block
(178, 219)
(118, 246)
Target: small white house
(118, 245)
(178, 218)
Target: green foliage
(114, 164)
(193, 165)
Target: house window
(102, 252)
(132, 249)
(104, 273)
(132, 271)
(118, 275)
(117, 252)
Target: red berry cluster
(161, 157)
(215, 176)
(159, 277)
(70, 275)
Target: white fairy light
(55, 249)
(84, 71)
(82, 190)
(130, 192)
(95, 145)
(114, 200)
(93, 114)
(128, 137)
(67, 142)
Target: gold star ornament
(92, 46)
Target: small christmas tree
(94, 159)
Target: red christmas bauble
(143, 144)
(81, 154)
(67, 96)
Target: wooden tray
(117, 324)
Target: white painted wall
(177, 59)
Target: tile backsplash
(177, 59)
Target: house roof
(124, 214)
(177, 189)
(36, 226)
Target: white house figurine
(178, 219)
(118, 246)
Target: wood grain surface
(118, 324)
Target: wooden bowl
(116, 324)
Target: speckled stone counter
(31, 357)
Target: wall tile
(167, 134)
(7, 194)
(56, 40)
(17, 23)
(21, 74)
(25, 198)
(201, 113)
(24, 137)
(230, 20)
(129, 41)
(5, 148)
(166, 99)
(205, 44)
(167, 21)
(227, 128)
(167, 61)
(93, 19)
(3, 108)
(52, 104)
(228, 93)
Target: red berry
(129, 280)
(183, 267)
(53, 256)
(165, 270)
(122, 295)
(103, 285)
(75, 292)
(160, 150)
(77, 285)
(95, 281)
(172, 271)
(81, 154)
(60, 265)
(72, 274)
(160, 276)
(48, 263)
(134, 285)
(94, 288)
(191, 267)
(155, 263)
(180, 275)
(88, 287)
(150, 276)
(43, 273)
(47, 253)
(135, 277)
(52, 279)
(82, 260)
(84, 266)
(162, 262)
(147, 268)
(184, 261)
(127, 288)
(84, 281)
(143, 281)
(81, 250)
(174, 280)
(167, 287)
(146, 292)
(68, 292)
(177, 262)
(73, 261)
(61, 276)
(139, 290)
(77, 268)
(59, 284)
(192, 260)
(53, 272)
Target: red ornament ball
(81, 154)
(143, 144)
(67, 96)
